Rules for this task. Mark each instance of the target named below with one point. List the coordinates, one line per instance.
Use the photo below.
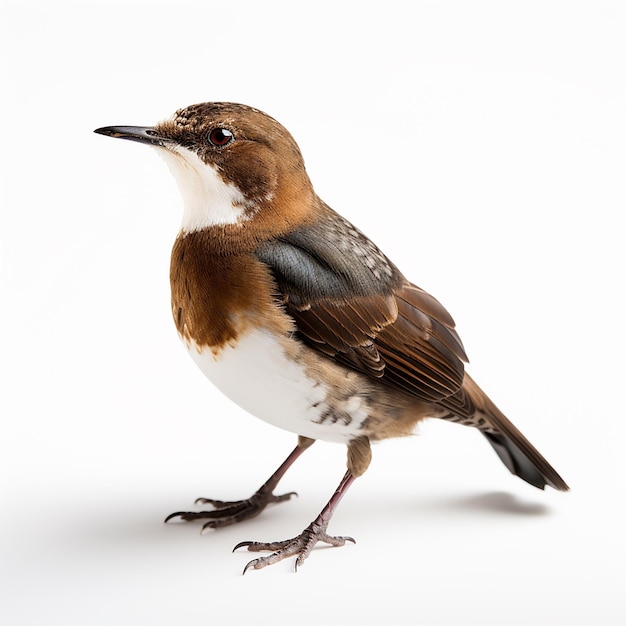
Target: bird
(300, 319)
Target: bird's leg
(227, 513)
(302, 545)
(359, 457)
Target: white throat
(208, 199)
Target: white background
(482, 145)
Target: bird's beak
(142, 134)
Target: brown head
(239, 171)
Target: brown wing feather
(350, 302)
(346, 330)
(407, 339)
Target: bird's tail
(514, 450)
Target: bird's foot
(227, 513)
(299, 546)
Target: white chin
(208, 199)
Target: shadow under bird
(300, 319)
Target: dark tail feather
(533, 469)
(514, 450)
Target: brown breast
(216, 297)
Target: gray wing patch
(329, 259)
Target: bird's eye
(220, 137)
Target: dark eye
(220, 137)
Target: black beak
(142, 134)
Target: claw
(225, 512)
(199, 501)
(250, 564)
(285, 496)
(208, 526)
(300, 546)
(188, 516)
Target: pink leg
(302, 545)
(226, 513)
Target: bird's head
(237, 168)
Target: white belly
(259, 377)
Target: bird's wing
(351, 303)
